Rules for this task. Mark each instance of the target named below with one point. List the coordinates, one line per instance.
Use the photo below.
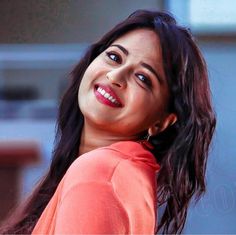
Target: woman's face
(124, 90)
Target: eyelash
(118, 60)
(146, 80)
(109, 54)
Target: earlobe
(159, 127)
(154, 130)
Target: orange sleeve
(91, 208)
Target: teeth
(107, 95)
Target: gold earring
(148, 137)
(145, 143)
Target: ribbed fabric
(110, 190)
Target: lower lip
(104, 100)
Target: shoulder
(98, 165)
(122, 164)
(126, 177)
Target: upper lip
(109, 90)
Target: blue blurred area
(40, 131)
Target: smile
(105, 97)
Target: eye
(114, 57)
(144, 79)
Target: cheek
(140, 106)
(148, 108)
(94, 71)
(91, 73)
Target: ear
(158, 127)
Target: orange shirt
(110, 190)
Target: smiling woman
(120, 77)
(134, 129)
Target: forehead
(142, 43)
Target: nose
(117, 77)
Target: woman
(138, 107)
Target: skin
(144, 106)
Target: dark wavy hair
(182, 149)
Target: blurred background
(41, 41)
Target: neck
(93, 138)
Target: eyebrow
(121, 48)
(145, 65)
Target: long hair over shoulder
(181, 150)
